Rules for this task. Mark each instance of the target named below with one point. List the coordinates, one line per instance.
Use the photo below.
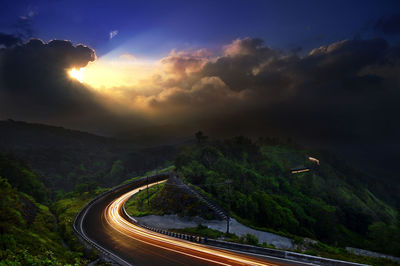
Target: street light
(228, 182)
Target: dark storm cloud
(342, 92)
(39, 70)
(347, 91)
(240, 59)
(389, 25)
(8, 39)
(34, 85)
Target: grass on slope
(137, 205)
(66, 209)
(329, 203)
(149, 173)
(316, 249)
(29, 234)
(168, 198)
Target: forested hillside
(331, 202)
(169, 198)
(64, 159)
(49, 173)
(30, 233)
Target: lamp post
(228, 182)
(148, 203)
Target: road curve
(104, 223)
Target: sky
(153, 28)
(322, 72)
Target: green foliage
(167, 199)
(384, 237)
(64, 158)
(88, 186)
(338, 253)
(22, 178)
(329, 203)
(249, 239)
(28, 232)
(66, 209)
(317, 249)
(117, 169)
(138, 206)
(200, 230)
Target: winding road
(106, 225)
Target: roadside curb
(78, 228)
(246, 248)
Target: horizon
(315, 72)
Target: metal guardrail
(281, 253)
(248, 248)
(221, 212)
(191, 238)
(77, 226)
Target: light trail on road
(198, 251)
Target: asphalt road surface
(106, 225)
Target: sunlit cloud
(127, 56)
(245, 83)
(106, 73)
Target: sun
(77, 74)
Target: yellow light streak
(315, 160)
(300, 171)
(114, 219)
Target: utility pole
(228, 182)
(148, 203)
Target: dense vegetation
(63, 158)
(168, 198)
(66, 208)
(329, 203)
(23, 178)
(315, 249)
(204, 231)
(49, 173)
(29, 231)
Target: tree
(200, 137)
(117, 170)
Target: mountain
(29, 230)
(47, 175)
(276, 186)
(64, 158)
